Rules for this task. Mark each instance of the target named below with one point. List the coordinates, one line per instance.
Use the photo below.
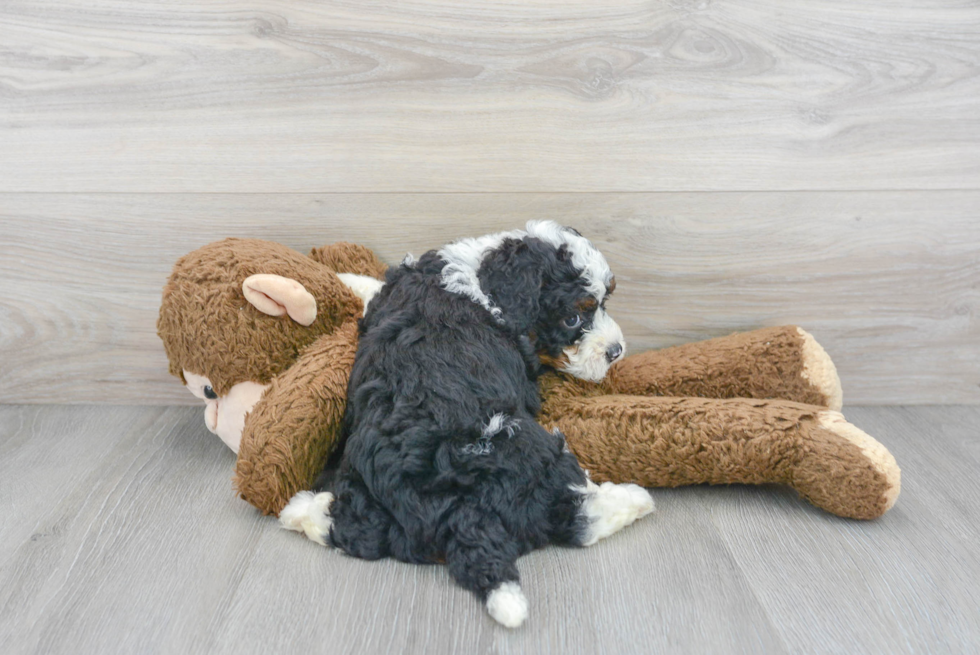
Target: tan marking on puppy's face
(558, 363)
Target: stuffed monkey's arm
(290, 432)
(783, 362)
(350, 258)
(669, 442)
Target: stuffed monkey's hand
(290, 432)
(356, 266)
(783, 362)
(350, 258)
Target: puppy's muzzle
(600, 346)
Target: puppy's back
(431, 357)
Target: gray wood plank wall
(742, 164)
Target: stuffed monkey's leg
(290, 432)
(668, 442)
(784, 362)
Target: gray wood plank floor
(119, 533)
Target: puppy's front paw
(309, 513)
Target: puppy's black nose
(614, 351)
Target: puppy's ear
(512, 275)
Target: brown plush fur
(208, 328)
(765, 363)
(739, 409)
(289, 434)
(672, 441)
(350, 258)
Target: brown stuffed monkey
(267, 338)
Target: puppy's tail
(309, 513)
(507, 604)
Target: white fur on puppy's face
(586, 358)
(585, 256)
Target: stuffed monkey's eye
(209, 393)
(573, 321)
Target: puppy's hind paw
(309, 513)
(611, 507)
(508, 605)
(641, 499)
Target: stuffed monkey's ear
(276, 295)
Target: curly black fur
(421, 479)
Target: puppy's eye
(572, 322)
(209, 393)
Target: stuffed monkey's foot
(309, 513)
(846, 471)
(782, 362)
(669, 442)
(820, 372)
(610, 507)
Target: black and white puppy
(444, 460)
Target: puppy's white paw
(309, 513)
(641, 499)
(363, 286)
(508, 605)
(611, 507)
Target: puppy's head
(547, 282)
(573, 332)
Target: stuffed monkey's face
(225, 415)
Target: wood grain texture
(889, 282)
(436, 95)
(113, 559)
(896, 585)
(125, 536)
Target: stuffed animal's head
(237, 313)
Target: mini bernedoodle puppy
(444, 460)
